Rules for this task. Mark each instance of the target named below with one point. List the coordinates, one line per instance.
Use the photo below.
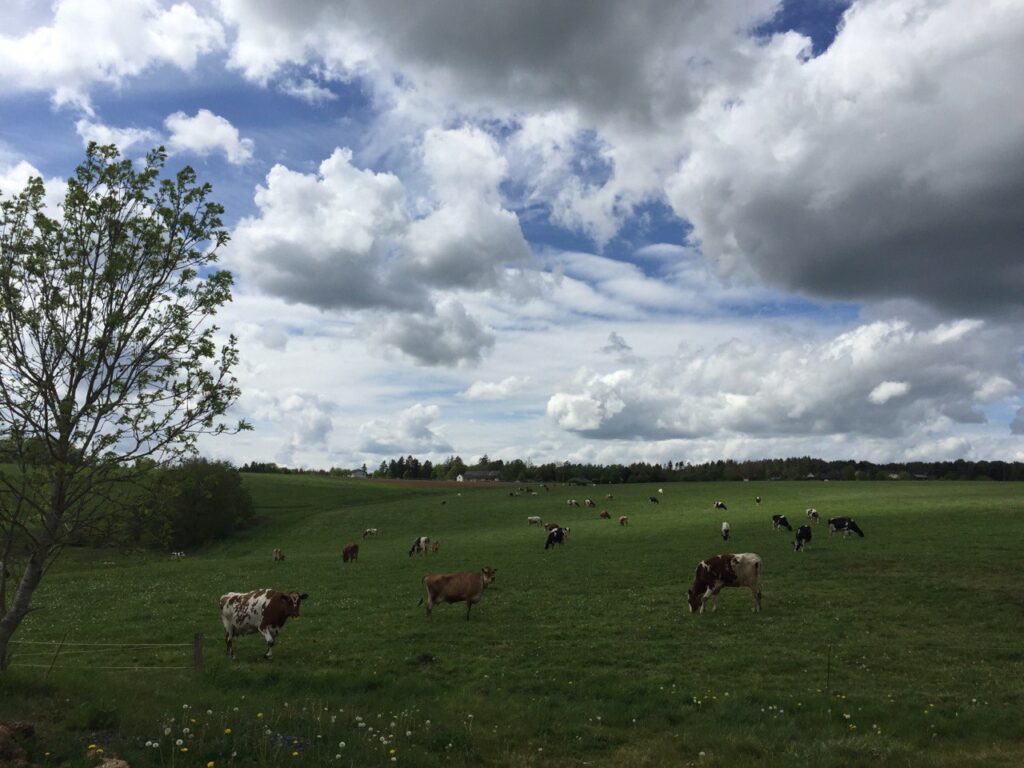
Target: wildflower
(186, 731)
(184, 706)
(337, 757)
(92, 746)
(179, 742)
(408, 733)
(426, 722)
(341, 745)
(391, 751)
(294, 754)
(211, 764)
(167, 731)
(184, 749)
(148, 745)
(209, 711)
(227, 731)
(394, 759)
(259, 714)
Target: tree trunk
(19, 608)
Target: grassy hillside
(899, 648)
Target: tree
(109, 365)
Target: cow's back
(243, 611)
(748, 568)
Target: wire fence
(52, 651)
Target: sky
(662, 230)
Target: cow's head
(488, 574)
(696, 601)
(295, 602)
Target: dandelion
(294, 754)
(341, 745)
(259, 715)
(179, 742)
(184, 706)
(394, 759)
(391, 751)
(211, 764)
(92, 746)
(337, 757)
(184, 749)
(186, 731)
(209, 711)
(167, 731)
(408, 733)
(148, 745)
(227, 731)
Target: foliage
(108, 362)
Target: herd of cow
(266, 610)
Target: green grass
(586, 655)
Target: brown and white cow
(465, 587)
(278, 556)
(534, 520)
(720, 571)
(435, 546)
(589, 503)
(350, 553)
(623, 520)
(605, 515)
(370, 532)
(812, 514)
(551, 526)
(262, 610)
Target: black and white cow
(726, 530)
(262, 610)
(556, 536)
(812, 514)
(803, 537)
(780, 521)
(652, 499)
(720, 505)
(845, 524)
(419, 546)
(720, 571)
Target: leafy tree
(107, 356)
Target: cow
(465, 587)
(757, 499)
(812, 514)
(623, 520)
(350, 553)
(551, 526)
(419, 546)
(661, 490)
(720, 505)
(177, 555)
(803, 537)
(370, 532)
(262, 610)
(572, 503)
(604, 515)
(716, 573)
(726, 530)
(652, 499)
(780, 521)
(845, 524)
(589, 503)
(534, 520)
(435, 546)
(278, 556)
(609, 496)
(557, 536)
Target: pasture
(901, 648)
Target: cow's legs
(269, 635)
(228, 637)
(757, 599)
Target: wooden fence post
(197, 651)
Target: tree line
(794, 468)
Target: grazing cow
(845, 524)
(534, 520)
(589, 503)
(604, 515)
(623, 520)
(572, 503)
(262, 610)
(803, 537)
(465, 587)
(757, 499)
(369, 532)
(557, 536)
(435, 546)
(278, 556)
(652, 499)
(812, 514)
(720, 505)
(780, 521)
(726, 530)
(350, 553)
(419, 546)
(177, 555)
(720, 571)
(551, 526)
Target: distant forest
(802, 468)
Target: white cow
(262, 610)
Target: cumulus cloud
(616, 345)
(15, 175)
(495, 390)
(887, 390)
(304, 419)
(446, 337)
(782, 386)
(412, 430)
(307, 90)
(91, 43)
(206, 133)
(886, 167)
(123, 138)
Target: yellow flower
(227, 731)
(391, 751)
(92, 746)
(259, 714)
(210, 764)
(295, 754)
(184, 749)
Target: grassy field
(902, 648)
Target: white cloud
(307, 90)
(15, 176)
(89, 43)
(776, 385)
(206, 133)
(447, 336)
(887, 390)
(123, 138)
(411, 430)
(495, 390)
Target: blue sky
(603, 232)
